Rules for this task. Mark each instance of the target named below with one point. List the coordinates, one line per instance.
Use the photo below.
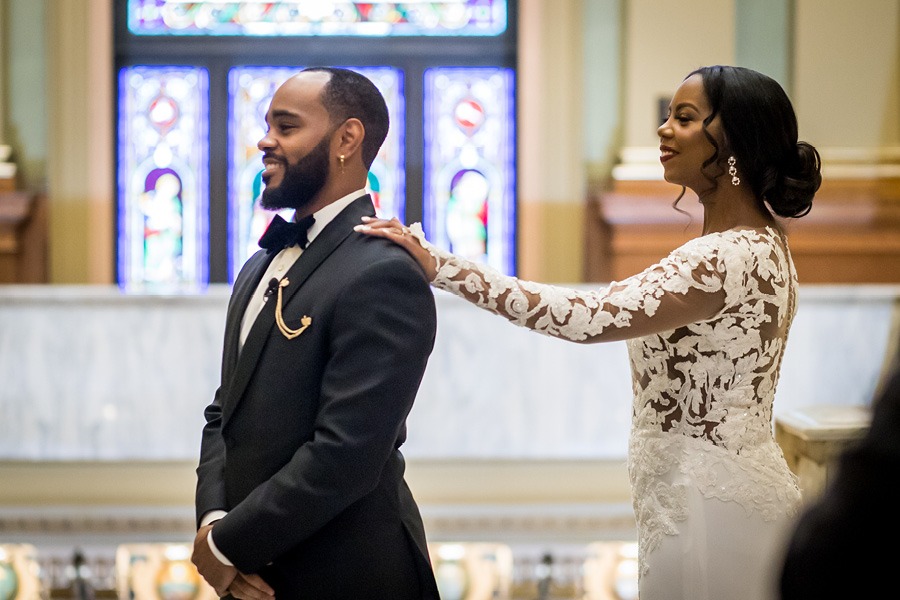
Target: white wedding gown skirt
(720, 553)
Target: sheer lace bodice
(706, 330)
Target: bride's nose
(664, 130)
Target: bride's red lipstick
(666, 153)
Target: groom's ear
(349, 139)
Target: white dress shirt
(279, 266)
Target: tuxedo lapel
(315, 254)
(243, 291)
(326, 243)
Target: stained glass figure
(470, 163)
(315, 17)
(250, 93)
(162, 178)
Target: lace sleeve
(688, 286)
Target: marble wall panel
(92, 374)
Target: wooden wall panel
(23, 238)
(852, 234)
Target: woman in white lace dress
(706, 330)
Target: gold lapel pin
(279, 319)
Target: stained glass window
(315, 17)
(162, 177)
(470, 163)
(250, 91)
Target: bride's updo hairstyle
(761, 131)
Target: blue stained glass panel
(163, 190)
(316, 17)
(470, 163)
(250, 92)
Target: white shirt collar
(325, 215)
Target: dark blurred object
(841, 547)
(545, 574)
(81, 577)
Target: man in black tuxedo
(300, 489)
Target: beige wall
(172, 483)
(24, 93)
(847, 72)
(664, 41)
(92, 503)
(4, 57)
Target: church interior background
(523, 135)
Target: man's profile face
(297, 145)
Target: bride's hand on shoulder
(400, 234)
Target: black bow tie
(282, 234)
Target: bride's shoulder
(709, 243)
(733, 240)
(733, 246)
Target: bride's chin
(669, 177)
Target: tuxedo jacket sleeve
(210, 472)
(379, 332)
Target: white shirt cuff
(213, 515)
(212, 546)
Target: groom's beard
(301, 181)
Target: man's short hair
(349, 95)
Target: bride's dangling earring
(732, 170)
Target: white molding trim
(641, 163)
(638, 172)
(639, 155)
(860, 154)
(860, 171)
(507, 523)
(530, 523)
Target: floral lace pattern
(706, 330)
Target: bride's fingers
(376, 223)
(394, 234)
(372, 229)
(383, 228)
(397, 234)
